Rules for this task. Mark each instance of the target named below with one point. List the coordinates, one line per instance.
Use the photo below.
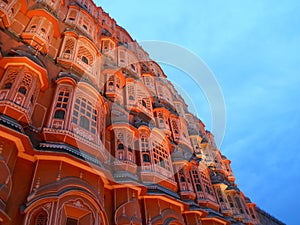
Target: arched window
(85, 60)
(85, 55)
(61, 105)
(41, 218)
(68, 51)
(120, 146)
(22, 90)
(32, 29)
(182, 179)
(84, 123)
(131, 97)
(59, 114)
(146, 158)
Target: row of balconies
(43, 31)
(15, 107)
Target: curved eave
(48, 16)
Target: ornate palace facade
(93, 133)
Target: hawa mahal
(93, 133)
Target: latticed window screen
(25, 83)
(148, 82)
(175, 126)
(219, 193)
(41, 219)
(161, 155)
(85, 55)
(196, 178)
(85, 115)
(206, 182)
(69, 46)
(10, 78)
(144, 147)
(61, 104)
(131, 91)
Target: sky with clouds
(253, 48)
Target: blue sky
(253, 48)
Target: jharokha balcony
(79, 64)
(8, 9)
(207, 200)
(37, 38)
(152, 174)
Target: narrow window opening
(59, 114)
(85, 60)
(22, 90)
(120, 146)
(198, 187)
(162, 162)
(144, 103)
(146, 158)
(7, 86)
(132, 67)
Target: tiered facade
(92, 132)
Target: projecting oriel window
(85, 115)
(161, 155)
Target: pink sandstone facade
(93, 133)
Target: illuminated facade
(92, 132)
